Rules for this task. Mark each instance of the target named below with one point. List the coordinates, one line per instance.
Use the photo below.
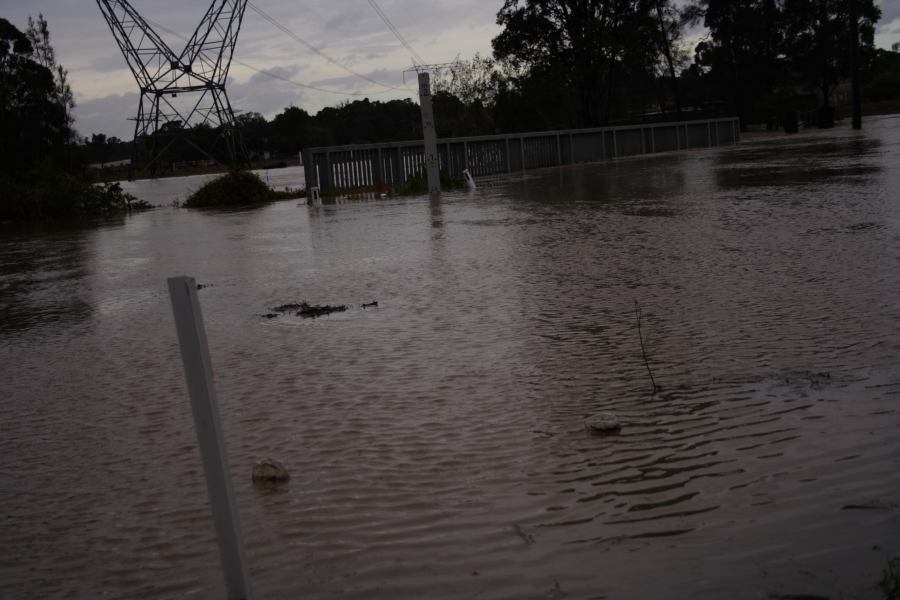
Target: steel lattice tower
(199, 70)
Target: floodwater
(435, 443)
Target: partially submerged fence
(387, 165)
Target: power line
(312, 48)
(307, 85)
(162, 27)
(415, 56)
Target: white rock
(602, 423)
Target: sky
(348, 31)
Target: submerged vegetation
(236, 188)
(50, 193)
(40, 178)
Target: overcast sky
(349, 31)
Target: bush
(233, 188)
(49, 193)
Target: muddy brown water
(435, 443)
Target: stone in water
(603, 423)
(270, 471)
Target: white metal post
(429, 134)
(198, 372)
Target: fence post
(310, 175)
(522, 150)
(198, 372)
(508, 168)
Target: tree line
(560, 64)
(555, 64)
(41, 163)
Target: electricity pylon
(199, 70)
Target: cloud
(351, 33)
(109, 115)
(388, 77)
(274, 73)
(890, 12)
(108, 63)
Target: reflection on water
(802, 162)
(41, 270)
(435, 442)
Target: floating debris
(270, 471)
(310, 311)
(520, 531)
(872, 505)
(602, 424)
(370, 304)
(269, 315)
(303, 309)
(203, 286)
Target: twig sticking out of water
(637, 316)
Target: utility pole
(854, 66)
(432, 161)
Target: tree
(670, 22)
(818, 41)
(38, 34)
(470, 81)
(585, 48)
(255, 131)
(744, 53)
(34, 124)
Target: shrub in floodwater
(235, 187)
(47, 192)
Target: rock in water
(602, 423)
(270, 471)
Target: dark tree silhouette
(34, 119)
(582, 49)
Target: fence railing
(387, 165)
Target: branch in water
(637, 315)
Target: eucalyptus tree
(38, 34)
(579, 52)
(671, 20)
(34, 124)
(819, 39)
(743, 54)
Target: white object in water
(470, 181)
(602, 423)
(315, 196)
(205, 406)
